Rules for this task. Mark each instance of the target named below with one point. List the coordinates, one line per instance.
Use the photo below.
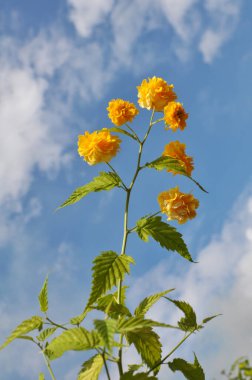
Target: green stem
(134, 133)
(172, 351)
(157, 121)
(125, 225)
(106, 367)
(55, 324)
(114, 171)
(49, 367)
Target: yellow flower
(98, 146)
(121, 111)
(175, 116)
(155, 94)
(178, 206)
(176, 150)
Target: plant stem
(56, 324)
(134, 133)
(106, 366)
(114, 171)
(126, 231)
(49, 366)
(172, 351)
(157, 121)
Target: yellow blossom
(98, 146)
(175, 116)
(177, 205)
(155, 93)
(121, 111)
(176, 150)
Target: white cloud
(211, 43)
(181, 16)
(86, 15)
(40, 80)
(25, 139)
(220, 283)
(224, 16)
(193, 25)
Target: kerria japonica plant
(121, 327)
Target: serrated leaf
(123, 131)
(134, 367)
(108, 269)
(105, 181)
(41, 376)
(91, 368)
(43, 297)
(137, 376)
(76, 339)
(109, 305)
(79, 318)
(26, 326)
(189, 321)
(137, 323)
(116, 310)
(167, 236)
(208, 319)
(148, 345)
(170, 163)
(106, 329)
(25, 337)
(46, 333)
(148, 302)
(133, 324)
(191, 371)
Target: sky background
(61, 63)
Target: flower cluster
(177, 205)
(155, 93)
(176, 149)
(175, 116)
(121, 111)
(101, 146)
(98, 146)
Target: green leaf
(138, 376)
(109, 305)
(189, 321)
(105, 181)
(136, 323)
(76, 339)
(79, 318)
(43, 296)
(106, 329)
(148, 302)
(123, 131)
(189, 370)
(170, 163)
(91, 368)
(147, 344)
(167, 236)
(133, 324)
(134, 367)
(108, 269)
(41, 376)
(46, 333)
(208, 319)
(26, 326)
(26, 337)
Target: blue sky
(61, 62)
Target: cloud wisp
(190, 25)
